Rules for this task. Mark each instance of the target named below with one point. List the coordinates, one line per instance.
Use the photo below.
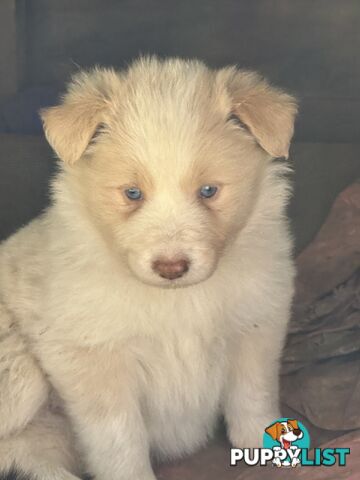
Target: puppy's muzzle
(171, 268)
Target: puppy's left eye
(208, 191)
(133, 193)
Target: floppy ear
(268, 113)
(272, 430)
(294, 424)
(70, 126)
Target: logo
(286, 444)
(286, 436)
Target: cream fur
(103, 363)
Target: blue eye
(207, 191)
(133, 193)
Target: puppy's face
(163, 163)
(170, 199)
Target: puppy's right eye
(133, 193)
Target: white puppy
(154, 294)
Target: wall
(310, 47)
(12, 39)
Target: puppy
(153, 295)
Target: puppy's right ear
(272, 430)
(70, 126)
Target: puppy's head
(166, 159)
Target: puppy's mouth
(168, 284)
(185, 281)
(174, 284)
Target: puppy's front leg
(251, 397)
(102, 400)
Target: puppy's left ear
(268, 113)
(70, 126)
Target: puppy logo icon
(286, 437)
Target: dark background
(309, 47)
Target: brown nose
(171, 269)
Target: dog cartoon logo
(285, 435)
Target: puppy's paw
(147, 476)
(246, 439)
(249, 432)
